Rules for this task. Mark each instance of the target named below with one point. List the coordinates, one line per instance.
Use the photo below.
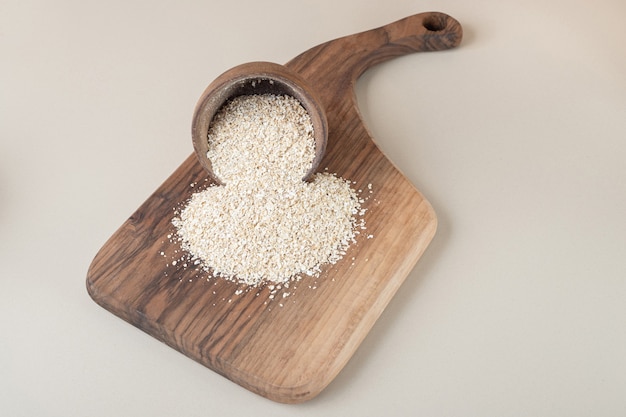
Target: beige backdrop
(517, 138)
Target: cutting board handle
(345, 59)
(423, 32)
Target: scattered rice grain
(265, 225)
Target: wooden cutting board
(286, 348)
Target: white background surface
(518, 139)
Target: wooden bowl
(256, 78)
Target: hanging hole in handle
(435, 23)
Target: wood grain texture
(289, 353)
